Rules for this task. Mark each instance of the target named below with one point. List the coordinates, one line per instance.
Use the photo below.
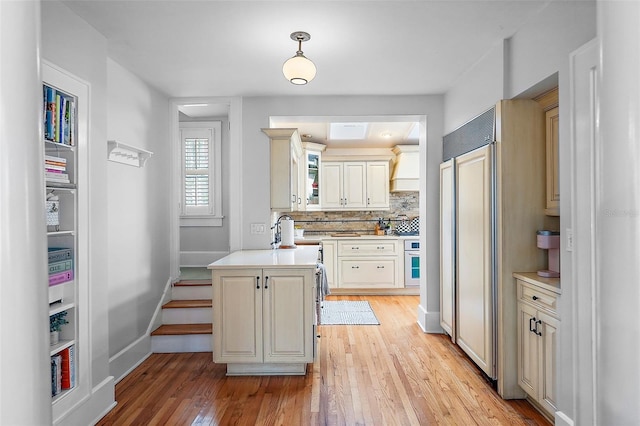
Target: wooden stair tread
(182, 329)
(186, 283)
(197, 303)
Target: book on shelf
(60, 184)
(60, 277)
(68, 379)
(50, 167)
(56, 374)
(59, 116)
(55, 160)
(57, 254)
(63, 265)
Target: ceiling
(208, 48)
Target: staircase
(186, 319)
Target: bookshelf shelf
(54, 308)
(62, 344)
(127, 154)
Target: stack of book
(55, 169)
(60, 265)
(59, 115)
(63, 375)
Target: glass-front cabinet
(311, 170)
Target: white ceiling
(229, 48)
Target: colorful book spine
(56, 374)
(64, 265)
(56, 254)
(60, 277)
(49, 116)
(67, 367)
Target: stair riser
(187, 316)
(191, 292)
(182, 343)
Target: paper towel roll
(286, 229)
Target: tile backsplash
(401, 204)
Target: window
(201, 174)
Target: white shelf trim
(127, 154)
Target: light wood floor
(391, 374)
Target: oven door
(411, 268)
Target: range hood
(406, 171)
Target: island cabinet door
(237, 316)
(288, 328)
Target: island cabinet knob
(266, 282)
(258, 282)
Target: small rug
(347, 312)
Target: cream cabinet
(538, 322)
(329, 254)
(286, 162)
(369, 264)
(264, 320)
(355, 185)
(553, 179)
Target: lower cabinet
(329, 252)
(538, 322)
(264, 320)
(370, 264)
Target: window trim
(214, 217)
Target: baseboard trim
(200, 258)
(90, 410)
(429, 322)
(130, 357)
(561, 419)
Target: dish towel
(322, 282)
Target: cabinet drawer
(538, 297)
(367, 273)
(367, 248)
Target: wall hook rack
(127, 154)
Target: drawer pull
(380, 248)
(535, 297)
(539, 333)
(355, 248)
(531, 324)
(380, 267)
(266, 282)
(258, 283)
(355, 267)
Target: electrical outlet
(258, 228)
(569, 239)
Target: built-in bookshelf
(60, 161)
(64, 133)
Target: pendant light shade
(299, 69)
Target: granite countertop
(300, 257)
(316, 239)
(551, 284)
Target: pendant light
(299, 69)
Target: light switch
(569, 239)
(258, 228)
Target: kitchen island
(264, 319)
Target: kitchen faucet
(277, 233)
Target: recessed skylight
(347, 131)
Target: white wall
(255, 163)
(137, 212)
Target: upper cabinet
(310, 176)
(286, 164)
(549, 103)
(355, 185)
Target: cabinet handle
(532, 325)
(355, 248)
(539, 333)
(380, 267)
(266, 283)
(380, 248)
(258, 283)
(293, 198)
(299, 200)
(535, 297)
(355, 267)
(368, 201)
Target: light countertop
(300, 257)
(551, 284)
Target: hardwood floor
(391, 374)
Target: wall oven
(411, 263)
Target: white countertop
(300, 257)
(551, 284)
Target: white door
(355, 184)
(378, 185)
(474, 314)
(447, 254)
(237, 316)
(288, 321)
(331, 185)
